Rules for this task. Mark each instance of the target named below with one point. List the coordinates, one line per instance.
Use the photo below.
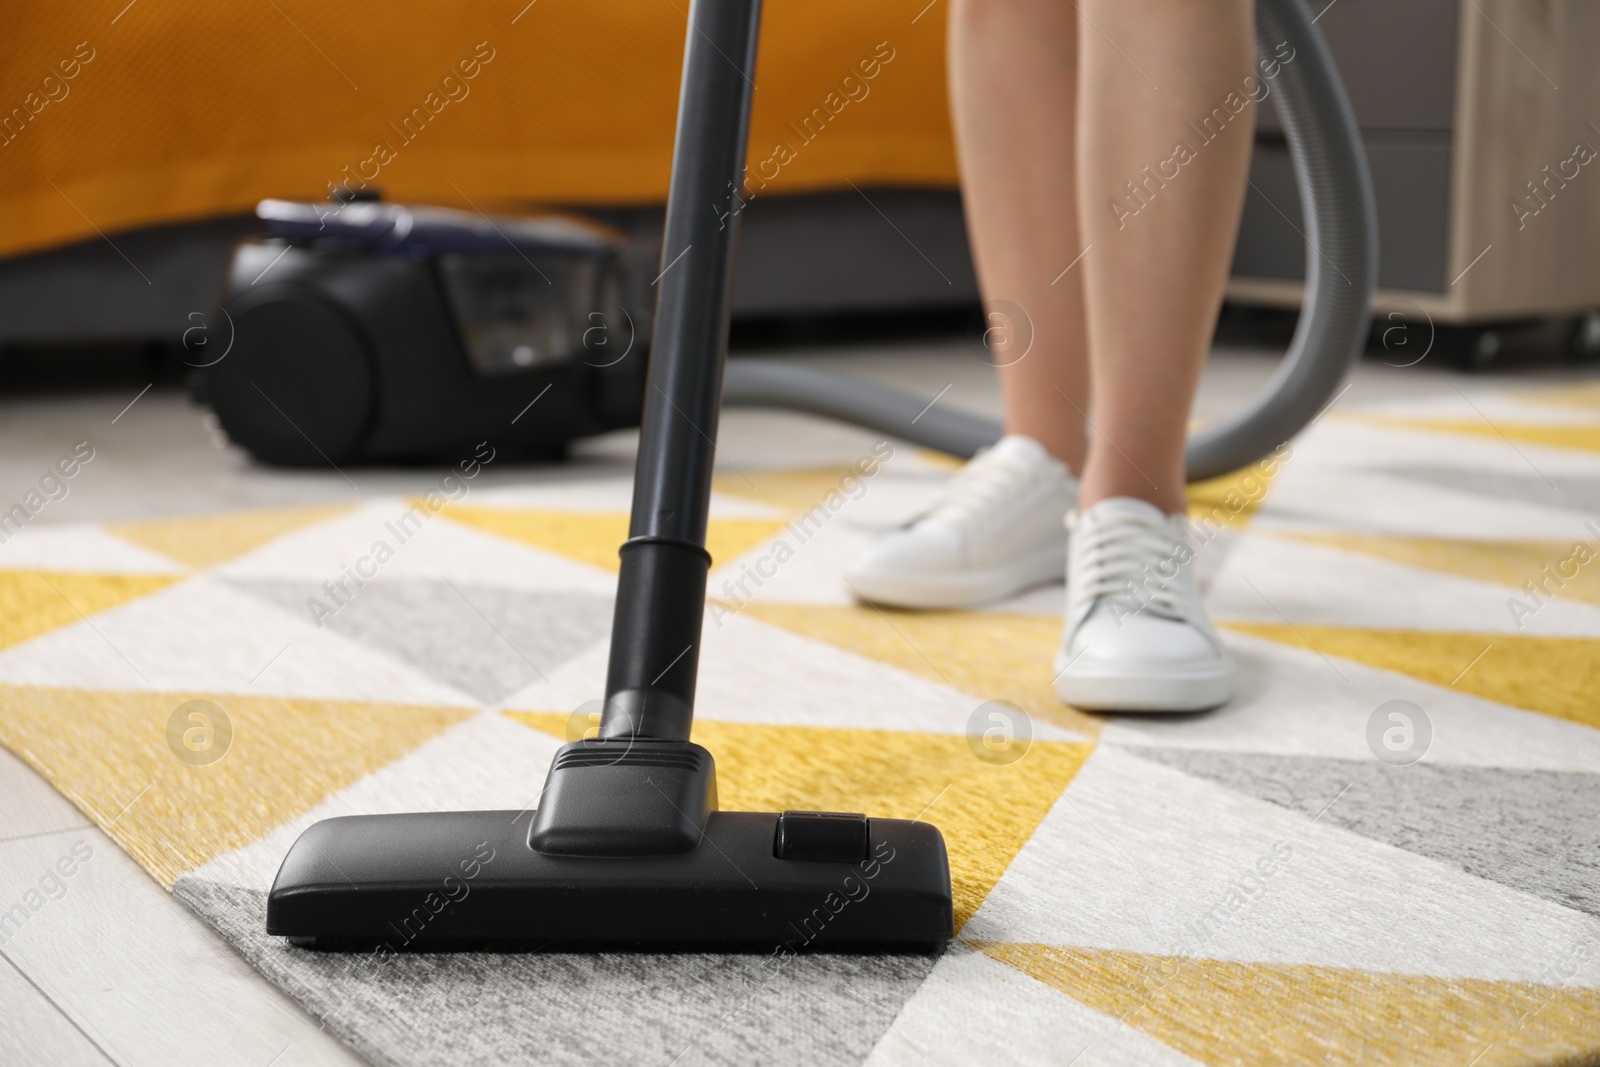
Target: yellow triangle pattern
(206, 540)
(1260, 1014)
(1233, 499)
(986, 812)
(1506, 562)
(990, 655)
(1586, 395)
(792, 489)
(32, 602)
(942, 460)
(594, 537)
(108, 753)
(798, 489)
(1558, 676)
(1583, 437)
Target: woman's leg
(995, 528)
(1164, 127)
(1164, 144)
(1014, 86)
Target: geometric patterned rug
(1386, 849)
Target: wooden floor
(112, 969)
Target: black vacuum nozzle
(627, 848)
(453, 880)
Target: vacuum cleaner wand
(655, 643)
(627, 848)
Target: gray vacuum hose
(1341, 231)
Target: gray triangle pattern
(488, 641)
(577, 1008)
(1537, 831)
(1571, 492)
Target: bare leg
(1158, 263)
(1013, 86)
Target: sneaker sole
(960, 589)
(1196, 690)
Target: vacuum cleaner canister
(368, 331)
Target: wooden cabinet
(1481, 120)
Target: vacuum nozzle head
(754, 881)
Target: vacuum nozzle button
(829, 836)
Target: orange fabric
(181, 109)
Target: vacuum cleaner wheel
(300, 392)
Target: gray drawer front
(1411, 177)
(1398, 59)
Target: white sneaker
(1136, 635)
(995, 530)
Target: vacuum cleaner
(365, 331)
(627, 847)
(370, 332)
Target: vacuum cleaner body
(378, 332)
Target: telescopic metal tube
(655, 637)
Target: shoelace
(976, 490)
(1129, 559)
